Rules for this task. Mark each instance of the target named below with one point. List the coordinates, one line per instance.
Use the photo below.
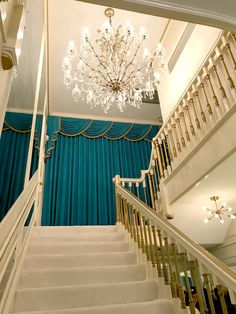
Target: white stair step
(82, 276)
(54, 298)
(161, 306)
(78, 260)
(77, 237)
(76, 229)
(84, 247)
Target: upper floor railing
(210, 98)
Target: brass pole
(172, 277)
(190, 297)
(196, 94)
(209, 293)
(159, 270)
(215, 98)
(169, 147)
(176, 137)
(151, 244)
(229, 78)
(117, 208)
(231, 55)
(206, 98)
(185, 125)
(145, 239)
(181, 132)
(190, 121)
(164, 141)
(163, 161)
(133, 223)
(137, 190)
(164, 267)
(130, 220)
(195, 113)
(154, 184)
(137, 229)
(160, 166)
(178, 278)
(122, 210)
(141, 232)
(151, 190)
(219, 81)
(172, 143)
(197, 284)
(126, 215)
(222, 299)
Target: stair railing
(209, 99)
(15, 230)
(179, 262)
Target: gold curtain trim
(48, 155)
(15, 130)
(100, 135)
(141, 138)
(119, 137)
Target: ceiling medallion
(219, 211)
(114, 68)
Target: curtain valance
(96, 129)
(21, 122)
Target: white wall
(227, 251)
(195, 52)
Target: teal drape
(14, 145)
(83, 157)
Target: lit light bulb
(157, 76)
(86, 33)
(206, 220)
(142, 32)
(129, 27)
(204, 208)
(232, 216)
(107, 27)
(229, 209)
(224, 204)
(20, 35)
(222, 221)
(146, 53)
(18, 52)
(217, 215)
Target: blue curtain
(83, 157)
(14, 145)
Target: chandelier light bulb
(206, 220)
(230, 209)
(232, 216)
(222, 221)
(115, 67)
(220, 210)
(224, 204)
(217, 215)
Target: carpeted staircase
(85, 270)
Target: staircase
(90, 269)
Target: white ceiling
(221, 181)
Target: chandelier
(116, 67)
(219, 211)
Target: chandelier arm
(96, 71)
(125, 52)
(136, 52)
(97, 57)
(132, 72)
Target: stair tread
(53, 298)
(151, 307)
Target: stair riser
(67, 261)
(83, 276)
(72, 297)
(75, 229)
(78, 248)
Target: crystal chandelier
(114, 68)
(219, 211)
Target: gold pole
(229, 78)
(209, 293)
(144, 190)
(133, 223)
(219, 81)
(159, 270)
(151, 244)
(122, 210)
(206, 98)
(137, 229)
(222, 299)
(145, 238)
(130, 221)
(178, 278)
(197, 284)
(231, 55)
(172, 277)
(154, 184)
(176, 137)
(151, 190)
(190, 121)
(160, 166)
(137, 190)
(181, 132)
(169, 147)
(165, 142)
(172, 143)
(196, 94)
(164, 267)
(162, 156)
(195, 113)
(185, 125)
(190, 297)
(117, 208)
(126, 215)
(208, 77)
(141, 232)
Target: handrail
(11, 230)
(173, 251)
(210, 97)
